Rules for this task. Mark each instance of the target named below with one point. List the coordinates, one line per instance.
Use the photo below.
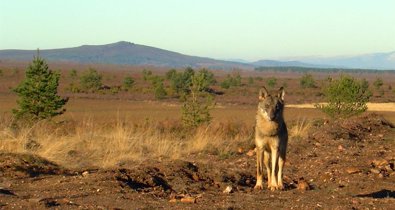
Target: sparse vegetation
(345, 97)
(38, 93)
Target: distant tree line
(326, 70)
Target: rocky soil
(345, 164)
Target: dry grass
(300, 129)
(88, 143)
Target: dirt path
(382, 107)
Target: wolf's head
(271, 106)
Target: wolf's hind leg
(281, 161)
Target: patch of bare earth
(341, 165)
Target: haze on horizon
(248, 29)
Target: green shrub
(271, 82)
(231, 81)
(146, 74)
(73, 74)
(307, 81)
(345, 97)
(378, 83)
(91, 80)
(38, 93)
(128, 82)
(159, 89)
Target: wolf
(271, 138)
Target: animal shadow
(379, 194)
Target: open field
(126, 150)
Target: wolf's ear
(263, 93)
(281, 93)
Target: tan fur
(271, 138)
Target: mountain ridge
(128, 53)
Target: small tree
(231, 81)
(128, 82)
(307, 81)
(250, 80)
(346, 97)
(197, 104)
(38, 93)
(271, 82)
(146, 74)
(180, 81)
(73, 74)
(91, 80)
(1, 72)
(159, 89)
(378, 83)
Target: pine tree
(38, 94)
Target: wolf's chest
(267, 128)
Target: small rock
(303, 185)
(340, 148)
(352, 170)
(250, 153)
(85, 173)
(388, 168)
(374, 170)
(381, 162)
(173, 200)
(195, 177)
(228, 190)
(188, 200)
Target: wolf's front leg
(259, 168)
(273, 180)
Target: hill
(123, 53)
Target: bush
(91, 80)
(346, 97)
(231, 81)
(146, 74)
(128, 82)
(307, 81)
(159, 90)
(180, 81)
(378, 83)
(38, 93)
(271, 82)
(73, 74)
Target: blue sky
(244, 29)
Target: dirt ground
(341, 165)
